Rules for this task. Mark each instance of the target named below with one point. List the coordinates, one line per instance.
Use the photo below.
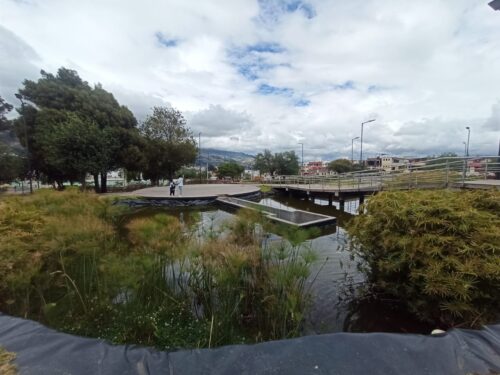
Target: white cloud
(252, 75)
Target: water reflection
(335, 276)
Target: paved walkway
(198, 191)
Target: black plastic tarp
(41, 350)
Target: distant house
(315, 168)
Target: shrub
(6, 365)
(438, 251)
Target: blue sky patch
(271, 11)
(347, 85)
(251, 60)
(164, 41)
(263, 47)
(265, 89)
(302, 102)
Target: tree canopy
(4, 109)
(341, 166)
(285, 163)
(169, 143)
(230, 169)
(74, 129)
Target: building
(315, 168)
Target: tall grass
(75, 262)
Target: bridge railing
(433, 173)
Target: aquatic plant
(82, 265)
(438, 251)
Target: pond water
(123, 292)
(335, 276)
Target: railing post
(463, 172)
(447, 173)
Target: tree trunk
(96, 182)
(84, 183)
(104, 187)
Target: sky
(257, 74)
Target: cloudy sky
(255, 74)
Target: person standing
(172, 188)
(180, 183)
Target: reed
(78, 263)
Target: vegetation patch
(438, 251)
(6, 365)
(78, 263)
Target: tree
(286, 163)
(67, 93)
(169, 143)
(71, 147)
(341, 166)
(230, 169)
(281, 163)
(4, 109)
(264, 162)
(12, 166)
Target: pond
(335, 276)
(185, 277)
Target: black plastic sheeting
(41, 351)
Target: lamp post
(361, 150)
(20, 97)
(465, 148)
(468, 139)
(302, 162)
(352, 149)
(199, 153)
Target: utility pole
(199, 153)
(302, 163)
(352, 149)
(361, 150)
(468, 139)
(20, 97)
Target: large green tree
(65, 95)
(169, 143)
(230, 169)
(285, 163)
(341, 166)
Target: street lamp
(361, 150)
(302, 163)
(468, 139)
(352, 149)
(465, 148)
(20, 97)
(199, 153)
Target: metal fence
(433, 173)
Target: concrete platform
(208, 191)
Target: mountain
(215, 157)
